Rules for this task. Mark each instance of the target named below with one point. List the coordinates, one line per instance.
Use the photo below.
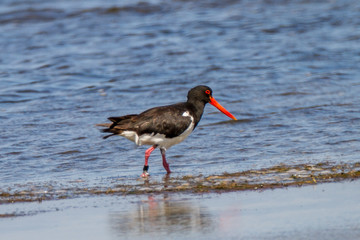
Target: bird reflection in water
(160, 215)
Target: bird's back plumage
(166, 120)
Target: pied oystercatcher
(164, 126)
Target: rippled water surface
(288, 70)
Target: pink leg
(165, 164)
(146, 165)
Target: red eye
(207, 92)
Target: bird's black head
(200, 93)
(203, 94)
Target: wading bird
(164, 126)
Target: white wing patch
(187, 114)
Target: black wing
(167, 120)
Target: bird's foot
(167, 168)
(145, 173)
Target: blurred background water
(288, 70)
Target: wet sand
(320, 211)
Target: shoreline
(280, 176)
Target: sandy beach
(322, 211)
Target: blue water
(288, 70)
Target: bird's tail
(117, 126)
(103, 125)
(107, 129)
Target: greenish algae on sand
(267, 178)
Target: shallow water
(288, 70)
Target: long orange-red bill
(221, 108)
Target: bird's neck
(196, 109)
